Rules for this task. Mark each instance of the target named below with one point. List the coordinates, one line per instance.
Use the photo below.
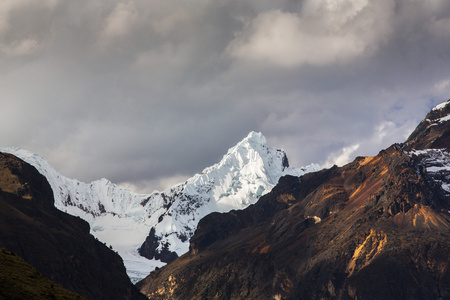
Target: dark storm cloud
(149, 92)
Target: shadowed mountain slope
(19, 280)
(58, 245)
(376, 228)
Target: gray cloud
(146, 93)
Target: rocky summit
(376, 228)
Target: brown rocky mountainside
(376, 228)
(58, 245)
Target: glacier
(123, 219)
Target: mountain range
(249, 227)
(149, 230)
(376, 228)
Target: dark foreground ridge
(376, 228)
(19, 280)
(58, 245)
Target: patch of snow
(441, 105)
(436, 169)
(446, 187)
(443, 119)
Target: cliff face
(377, 228)
(58, 245)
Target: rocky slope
(376, 228)
(58, 245)
(160, 224)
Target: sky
(147, 93)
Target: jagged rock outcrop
(58, 245)
(376, 228)
(153, 247)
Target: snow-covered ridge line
(441, 105)
(439, 114)
(86, 200)
(123, 219)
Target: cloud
(384, 134)
(140, 91)
(9, 7)
(442, 85)
(120, 20)
(441, 27)
(341, 157)
(18, 42)
(324, 32)
(20, 48)
(171, 22)
(160, 184)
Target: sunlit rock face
(376, 228)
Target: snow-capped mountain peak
(160, 223)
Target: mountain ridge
(376, 228)
(160, 223)
(57, 244)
